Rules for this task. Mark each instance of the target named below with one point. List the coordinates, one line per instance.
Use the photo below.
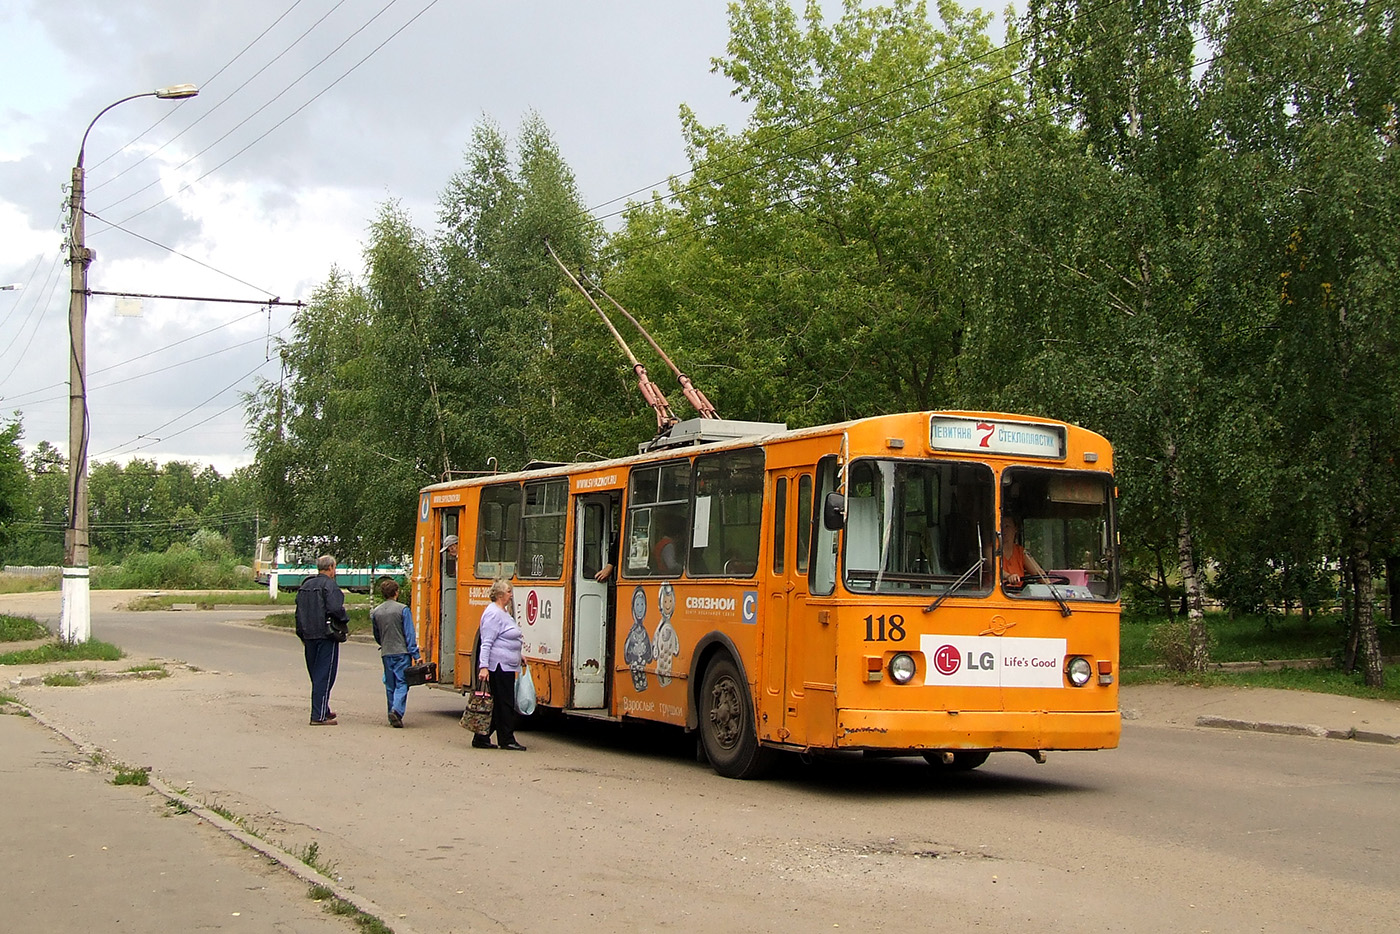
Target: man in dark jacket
(322, 624)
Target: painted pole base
(75, 619)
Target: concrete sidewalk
(86, 855)
(96, 855)
(93, 856)
(1263, 710)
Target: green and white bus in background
(291, 564)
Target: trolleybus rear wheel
(727, 723)
(964, 760)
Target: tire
(727, 730)
(964, 760)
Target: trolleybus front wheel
(727, 723)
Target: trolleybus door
(447, 602)
(593, 549)
(781, 714)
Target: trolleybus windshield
(1062, 522)
(916, 526)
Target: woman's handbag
(420, 674)
(477, 716)
(524, 691)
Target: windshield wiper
(966, 575)
(1054, 592)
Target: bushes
(179, 567)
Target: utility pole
(75, 618)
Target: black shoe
(513, 746)
(395, 720)
(482, 743)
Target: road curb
(1297, 729)
(270, 850)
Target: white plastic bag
(524, 691)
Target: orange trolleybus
(936, 584)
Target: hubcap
(724, 712)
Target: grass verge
(359, 620)
(212, 599)
(1255, 638)
(132, 775)
(1318, 680)
(60, 651)
(367, 923)
(311, 856)
(21, 629)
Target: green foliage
(211, 546)
(132, 775)
(1172, 223)
(60, 651)
(134, 508)
(1325, 680)
(14, 498)
(179, 567)
(1171, 643)
(21, 628)
(1246, 638)
(64, 679)
(453, 350)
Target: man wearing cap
(449, 546)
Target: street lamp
(75, 619)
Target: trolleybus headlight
(1079, 671)
(902, 668)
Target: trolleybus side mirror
(834, 511)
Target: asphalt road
(602, 829)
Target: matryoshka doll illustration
(636, 651)
(665, 645)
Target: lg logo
(947, 660)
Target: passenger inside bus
(670, 544)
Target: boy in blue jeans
(393, 630)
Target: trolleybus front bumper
(924, 730)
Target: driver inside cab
(1016, 563)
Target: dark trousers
(322, 660)
(502, 706)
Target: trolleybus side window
(804, 520)
(658, 520)
(914, 525)
(1063, 519)
(543, 555)
(728, 514)
(780, 496)
(498, 532)
(821, 578)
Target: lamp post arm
(83, 148)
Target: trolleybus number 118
(875, 630)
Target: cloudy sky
(311, 114)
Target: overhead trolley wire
(147, 434)
(204, 85)
(274, 127)
(210, 111)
